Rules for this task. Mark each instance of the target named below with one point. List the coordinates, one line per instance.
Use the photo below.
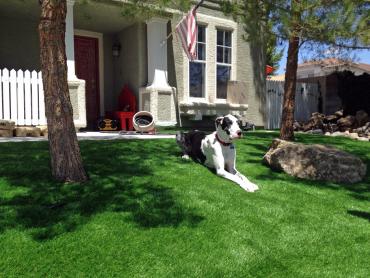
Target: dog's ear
(218, 121)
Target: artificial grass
(147, 213)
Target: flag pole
(195, 8)
(197, 5)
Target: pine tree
(339, 23)
(66, 162)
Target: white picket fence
(306, 102)
(22, 97)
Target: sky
(362, 56)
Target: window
(223, 62)
(197, 68)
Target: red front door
(87, 68)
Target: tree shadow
(361, 214)
(123, 179)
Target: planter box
(27, 132)
(7, 125)
(6, 133)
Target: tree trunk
(287, 119)
(66, 162)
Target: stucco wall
(19, 44)
(110, 101)
(130, 67)
(251, 69)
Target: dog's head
(227, 128)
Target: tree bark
(66, 162)
(287, 119)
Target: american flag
(187, 32)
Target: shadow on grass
(122, 179)
(361, 214)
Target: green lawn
(147, 213)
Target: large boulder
(315, 162)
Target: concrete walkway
(93, 136)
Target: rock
(317, 115)
(308, 126)
(297, 126)
(7, 125)
(346, 123)
(363, 139)
(6, 133)
(361, 117)
(315, 131)
(331, 119)
(339, 113)
(337, 133)
(315, 162)
(332, 127)
(353, 135)
(27, 132)
(327, 133)
(43, 130)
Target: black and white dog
(216, 150)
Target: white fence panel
(27, 98)
(22, 97)
(42, 117)
(20, 100)
(35, 100)
(6, 93)
(306, 102)
(13, 95)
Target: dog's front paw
(254, 186)
(185, 156)
(250, 187)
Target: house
(106, 50)
(334, 86)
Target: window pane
(201, 34)
(223, 75)
(227, 55)
(196, 79)
(220, 37)
(201, 51)
(220, 54)
(227, 38)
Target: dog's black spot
(190, 144)
(226, 124)
(218, 121)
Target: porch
(105, 51)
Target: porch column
(157, 53)
(76, 86)
(69, 40)
(158, 97)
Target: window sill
(197, 100)
(206, 108)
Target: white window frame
(232, 48)
(212, 23)
(204, 97)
